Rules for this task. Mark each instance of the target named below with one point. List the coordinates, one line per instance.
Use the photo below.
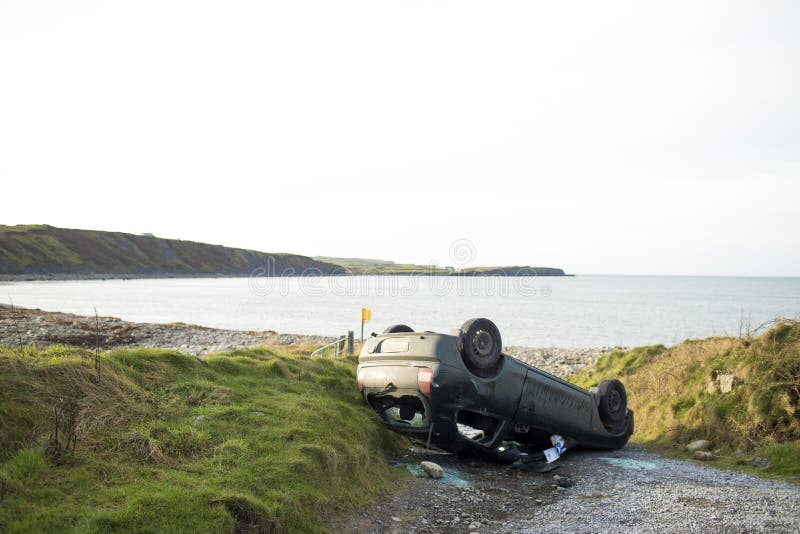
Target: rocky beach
(24, 326)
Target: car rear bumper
(391, 389)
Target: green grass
(285, 441)
(668, 390)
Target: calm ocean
(580, 311)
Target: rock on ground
(432, 469)
(699, 445)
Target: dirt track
(621, 491)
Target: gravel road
(627, 490)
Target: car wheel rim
(614, 401)
(483, 342)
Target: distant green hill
(41, 250)
(353, 261)
(513, 270)
(369, 266)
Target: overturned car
(461, 393)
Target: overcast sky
(601, 137)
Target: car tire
(481, 345)
(613, 405)
(398, 328)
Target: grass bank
(669, 390)
(248, 441)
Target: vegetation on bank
(46, 250)
(248, 441)
(676, 399)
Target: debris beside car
(559, 447)
(564, 482)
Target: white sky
(601, 137)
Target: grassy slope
(41, 249)
(144, 463)
(760, 417)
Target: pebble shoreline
(43, 328)
(32, 326)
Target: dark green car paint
(515, 397)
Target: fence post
(350, 343)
